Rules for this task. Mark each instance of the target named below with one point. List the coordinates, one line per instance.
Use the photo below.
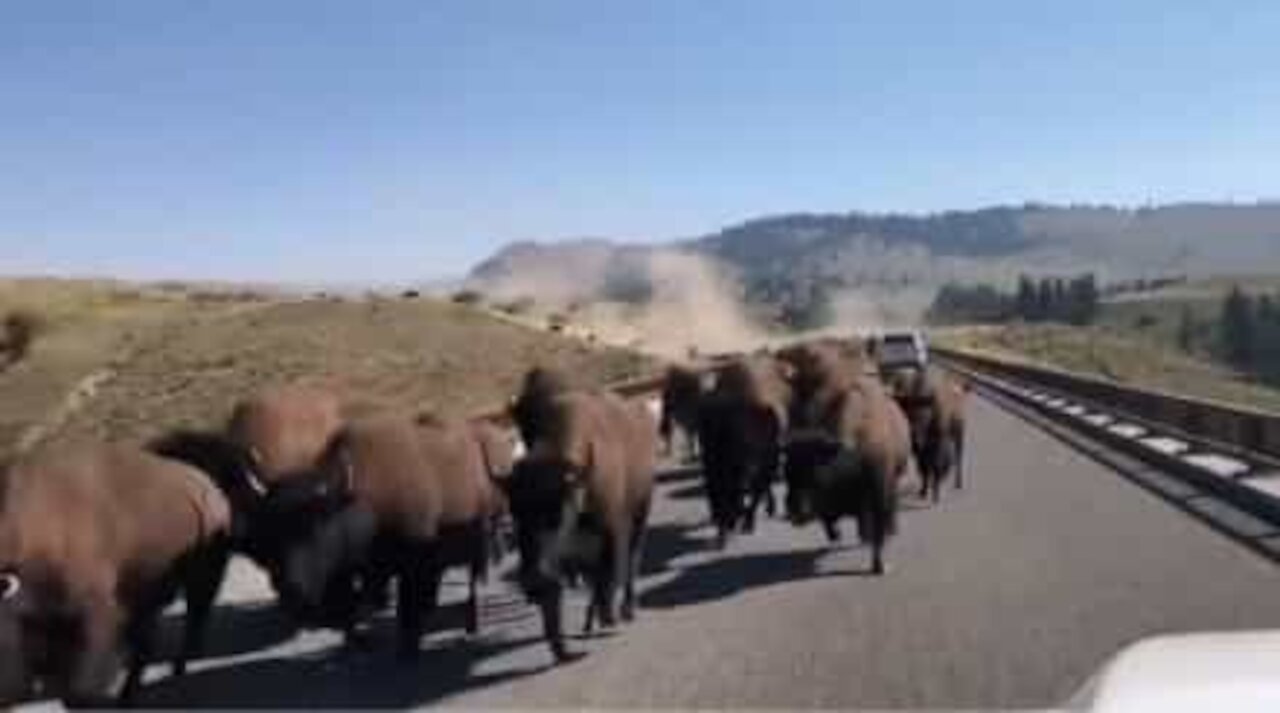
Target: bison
(682, 390)
(285, 429)
(580, 500)
(273, 436)
(934, 405)
(818, 373)
(393, 497)
(850, 465)
(741, 425)
(94, 542)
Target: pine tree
(1239, 328)
(1044, 301)
(1025, 303)
(1186, 330)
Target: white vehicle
(1222, 671)
(897, 350)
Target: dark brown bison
(741, 425)
(580, 500)
(934, 403)
(682, 390)
(393, 498)
(94, 542)
(850, 465)
(529, 408)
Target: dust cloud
(661, 301)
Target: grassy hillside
(125, 362)
(1120, 354)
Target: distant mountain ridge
(779, 259)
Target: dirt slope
(175, 360)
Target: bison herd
(343, 513)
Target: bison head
(13, 675)
(42, 645)
(810, 460)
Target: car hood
(1225, 671)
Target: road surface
(1008, 594)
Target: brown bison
(285, 429)
(394, 497)
(94, 543)
(741, 425)
(850, 465)
(273, 436)
(934, 404)
(819, 373)
(580, 500)
(682, 390)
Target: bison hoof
(628, 613)
(564, 655)
(833, 533)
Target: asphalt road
(1008, 594)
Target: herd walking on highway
(350, 517)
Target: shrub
(20, 330)
(467, 297)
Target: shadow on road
(725, 577)
(687, 492)
(235, 630)
(338, 678)
(679, 474)
(666, 541)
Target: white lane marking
(1269, 485)
(1128, 430)
(1099, 420)
(1166, 445)
(1224, 466)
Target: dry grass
(126, 363)
(1118, 355)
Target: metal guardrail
(1248, 479)
(1237, 430)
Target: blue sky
(395, 140)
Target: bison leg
(479, 573)
(640, 532)
(140, 635)
(959, 446)
(550, 603)
(203, 579)
(419, 585)
(98, 662)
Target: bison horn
(348, 472)
(10, 585)
(251, 474)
